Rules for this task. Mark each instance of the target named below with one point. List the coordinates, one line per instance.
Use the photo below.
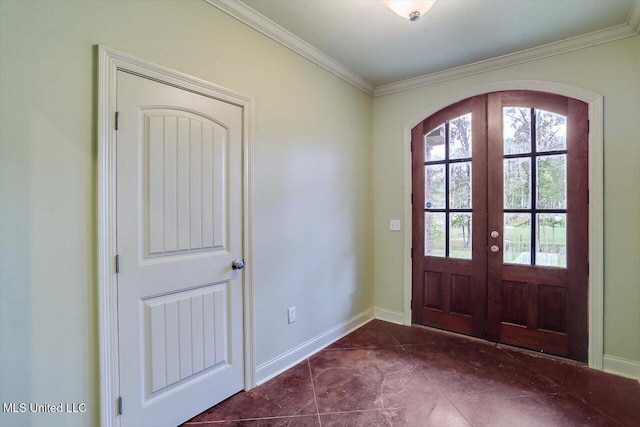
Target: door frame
(595, 102)
(109, 63)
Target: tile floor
(389, 375)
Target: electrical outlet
(394, 225)
(291, 314)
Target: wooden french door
(500, 220)
(450, 219)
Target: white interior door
(179, 228)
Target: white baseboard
(389, 315)
(624, 367)
(279, 364)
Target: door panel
(523, 281)
(540, 214)
(178, 230)
(185, 335)
(184, 182)
(449, 217)
(447, 294)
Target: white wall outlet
(394, 225)
(291, 314)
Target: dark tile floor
(389, 375)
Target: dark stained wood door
(450, 218)
(500, 220)
(538, 211)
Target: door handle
(494, 248)
(237, 264)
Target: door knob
(495, 248)
(237, 264)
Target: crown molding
(634, 17)
(264, 25)
(587, 40)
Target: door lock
(494, 233)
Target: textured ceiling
(375, 43)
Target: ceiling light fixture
(409, 9)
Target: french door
(500, 220)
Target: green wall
(312, 202)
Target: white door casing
(183, 338)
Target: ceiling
(374, 44)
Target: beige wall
(312, 184)
(612, 70)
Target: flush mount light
(409, 9)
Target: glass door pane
(517, 238)
(434, 234)
(551, 240)
(434, 186)
(551, 131)
(460, 185)
(434, 144)
(516, 130)
(460, 235)
(551, 188)
(448, 189)
(517, 183)
(460, 137)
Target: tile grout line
(313, 387)
(195, 423)
(396, 340)
(551, 378)
(520, 363)
(575, 394)
(437, 386)
(567, 389)
(384, 378)
(368, 347)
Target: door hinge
(117, 119)
(119, 405)
(587, 269)
(411, 198)
(411, 252)
(117, 264)
(588, 126)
